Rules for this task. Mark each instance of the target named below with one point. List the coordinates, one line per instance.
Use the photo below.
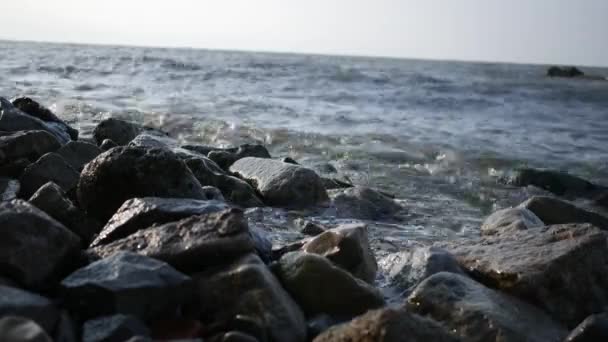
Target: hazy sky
(541, 31)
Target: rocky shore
(131, 236)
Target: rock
(559, 183)
(387, 325)
(261, 243)
(119, 131)
(35, 109)
(203, 149)
(33, 246)
(9, 188)
(405, 270)
(213, 194)
(348, 247)
(190, 244)
(12, 120)
(126, 283)
(49, 168)
(14, 169)
(333, 183)
(19, 329)
(16, 302)
(123, 173)
(363, 203)
(140, 213)
(247, 287)
(555, 71)
(593, 328)
(78, 153)
(51, 199)
(66, 330)
(107, 144)
(320, 287)
(148, 141)
(308, 228)
(29, 145)
(281, 184)
(117, 328)
(237, 336)
(561, 268)
(555, 211)
(289, 160)
(602, 200)
(181, 329)
(510, 219)
(227, 157)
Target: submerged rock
(78, 153)
(559, 183)
(25, 145)
(569, 72)
(363, 203)
(113, 328)
(16, 302)
(49, 168)
(35, 109)
(9, 188)
(555, 211)
(119, 131)
(509, 220)
(19, 329)
(12, 120)
(593, 328)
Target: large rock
(556, 71)
(246, 287)
(227, 157)
(593, 328)
(321, 287)
(33, 246)
(509, 220)
(126, 283)
(554, 211)
(474, 312)
(9, 188)
(560, 268)
(140, 213)
(12, 120)
(363, 203)
(282, 184)
(387, 325)
(35, 109)
(78, 153)
(117, 328)
(123, 173)
(120, 131)
(190, 244)
(559, 183)
(20, 329)
(25, 145)
(49, 168)
(16, 302)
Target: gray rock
(247, 287)
(190, 244)
(126, 283)
(19, 329)
(9, 188)
(474, 312)
(593, 328)
(559, 183)
(119, 131)
(33, 246)
(555, 211)
(16, 302)
(307, 227)
(78, 153)
(228, 157)
(49, 168)
(213, 194)
(203, 149)
(510, 219)
(282, 184)
(107, 144)
(12, 120)
(261, 243)
(29, 145)
(321, 287)
(387, 325)
(35, 109)
(363, 203)
(116, 328)
(333, 183)
(148, 141)
(140, 213)
(123, 173)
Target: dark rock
(117, 328)
(261, 243)
(308, 228)
(559, 183)
(228, 157)
(281, 184)
(126, 283)
(16, 302)
(19, 329)
(289, 160)
(107, 144)
(555, 211)
(474, 312)
(66, 330)
(321, 287)
(148, 141)
(33, 246)
(78, 153)
(593, 328)
(49, 168)
(119, 131)
(555, 71)
(333, 183)
(14, 169)
(28, 145)
(123, 173)
(387, 325)
(180, 329)
(213, 194)
(247, 287)
(35, 109)
(189, 244)
(140, 213)
(319, 324)
(510, 219)
(51, 199)
(237, 336)
(602, 200)
(9, 188)
(12, 120)
(363, 203)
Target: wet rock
(28, 145)
(12, 120)
(593, 328)
(213, 194)
(33, 246)
(78, 153)
(289, 160)
(117, 328)
(35, 109)
(555, 211)
(602, 200)
(348, 247)
(308, 228)
(148, 141)
(510, 219)
(140, 213)
(19, 329)
(16, 302)
(228, 157)
(333, 183)
(9, 188)
(14, 169)
(203, 149)
(189, 244)
(281, 184)
(321, 287)
(123, 173)
(261, 243)
(51, 199)
(180, 329)
(49, 168)
(66, 330)
(247, 287)
(126, 283)
(107, 144)
(237, 336)
(561, 268)
(119, 131)
(569, 72)
(387, 325)
(363, 203)
(559, 183)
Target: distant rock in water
(555, 71)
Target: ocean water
(435, 134)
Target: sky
(521, 31)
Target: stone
(237, 336)
(117, 328)
(49, 168)
(148, 141)
(227, 157)
(247, 287)
(34, 247)
(282, 184)
(126, 283)
(213, 194)
(19, 329)
(363, 203)
(348, 247)
(321, 287)
(141, 213)
(9, 188)
(123, 173)
(593, 328)
(554, 211)
(78, 153)
(387, 325)
(333, 183)
(510, 219)
(12, 120)
(35, 109)
(203, 149)
(107, 144)
(559, 183)
(602, 200)
(14, 169)
(119, 131)
(17, 302)
(28, 145)
(308, 228)
(560, 268)
(555, 71)
(190, 244)
(473, 312)
(53, 200)
(289, 160)
(261, 243)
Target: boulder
(140, 213)
(227, 157)
(14, 169)
(107, 144)
(123, 173)
(556, 71)
(593, 328)
(126, 283)
(49, 168)
(78, 153)
(119, 131)
(16, 302)
(559, 183)
(363, 203)
(554, 211)
(35, 109)
(117, 328)
(510, 219)
(25, 145)
(19, 329)
(281, 184)
(12, 120)
(321, 287)
(247, 287)
(473, 312)
(34, 247)
(9, 188)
